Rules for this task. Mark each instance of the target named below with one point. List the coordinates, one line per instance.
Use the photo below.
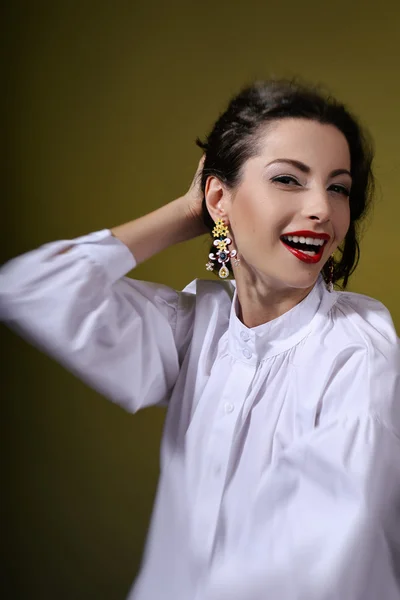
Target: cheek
(259, 213)
(342, 222)
(244, 216)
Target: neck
(260, 301)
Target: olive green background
(102, 102)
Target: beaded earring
(223, 256)
(331, 265)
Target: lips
(307, 258)
(307, 246)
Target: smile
(307, 246)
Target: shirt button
(245, 336)
(246, 353)
(229, 407)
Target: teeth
(304, 240)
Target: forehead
(318, 145)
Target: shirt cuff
(108, 251)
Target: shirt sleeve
(325, 522)
(125, 338)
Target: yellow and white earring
(223, 255)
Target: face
(290, 210)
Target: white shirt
(280, 463)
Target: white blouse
(280, 463)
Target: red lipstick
(300, 254)
(311, 234)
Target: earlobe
(215, 196)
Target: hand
(193, 200)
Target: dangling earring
(331, 266)
(223, 255)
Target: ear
(217, 199)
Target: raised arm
(175, 222)
(125, 338)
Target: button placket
(229, 407)
(212, 485)
(246, 348)
(247, 353)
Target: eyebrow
(305, 168)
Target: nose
(317, 206)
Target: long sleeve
(125, 338)
(325, 521)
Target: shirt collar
(276, 336)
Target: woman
(280, 474)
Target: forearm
(156, 231)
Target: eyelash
(341, 189)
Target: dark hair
(233, 140)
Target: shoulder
(364, 355)
(209, 295)
(203, 286)
(364, 320)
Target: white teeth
(304, 240)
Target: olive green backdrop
(102, 104)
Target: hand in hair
(193, 200)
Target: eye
(340, 189)
(286, 179)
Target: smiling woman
(280, 458)
(309, 144)
(303, 196)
